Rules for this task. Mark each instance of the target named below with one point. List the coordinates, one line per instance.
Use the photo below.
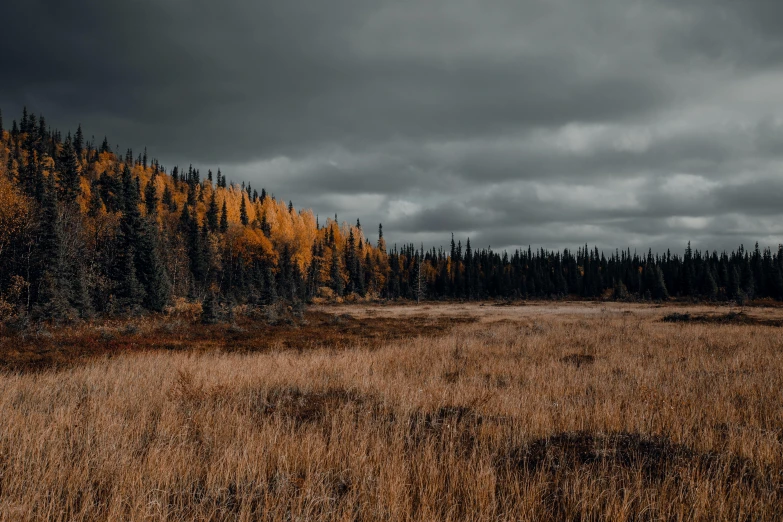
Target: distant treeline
(87, 230)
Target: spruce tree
(270, 287)
(212, 214)
(224, 218)
(710, 287)
(69, 180)
(658, 289)
(23, 126)
(336, 273)
(151, 197)
(151, 271)
(266, 228)
(53, 287)
(243, 211)
(193, 239)
(78, 143)
(168, 200)
(129, 291)
(209, 308)
(95, 205)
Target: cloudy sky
(546, 122)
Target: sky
(552, 123)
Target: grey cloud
(437, 115)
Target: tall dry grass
(583, 414)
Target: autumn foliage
(85, 229)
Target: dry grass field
(557, 411)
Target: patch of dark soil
(578, 359)
(740, 318)
(455, 426)
(619, 460)
(303, 407)
(677, 317)
(451, 428)
(656, 457)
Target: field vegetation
(558, 411)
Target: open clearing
(541, 411)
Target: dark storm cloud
(748, 33)
(551, 122)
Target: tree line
(86, 229)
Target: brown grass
(545, 412)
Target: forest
(88, 230)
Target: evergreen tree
(209, 312)
(69, 180)
(150, 268)
(270, 287)
(212, 214)
(129, 291)
(709, 287)
(95, 205)
(656, 285)
(243, 211)
(78, 142)
(336, 273)
(191, 230)
(265, 226)
(168, 200)
(53, 289)
(24, 125)
(224, 218)
(151, 197)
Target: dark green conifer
(168, 200)
(151, 197)
(189, 226)
(224, 218)
(95, 204)
(69, 180)
(78, 143)
(336, 273)
(243, 211)
(53, 289)
(209, 308)
(212, 214)
(270, 287)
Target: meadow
(538, 411)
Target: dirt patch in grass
(65, 346)
(656, 457)
(578, 359)
(732, 318)
(304, 407)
